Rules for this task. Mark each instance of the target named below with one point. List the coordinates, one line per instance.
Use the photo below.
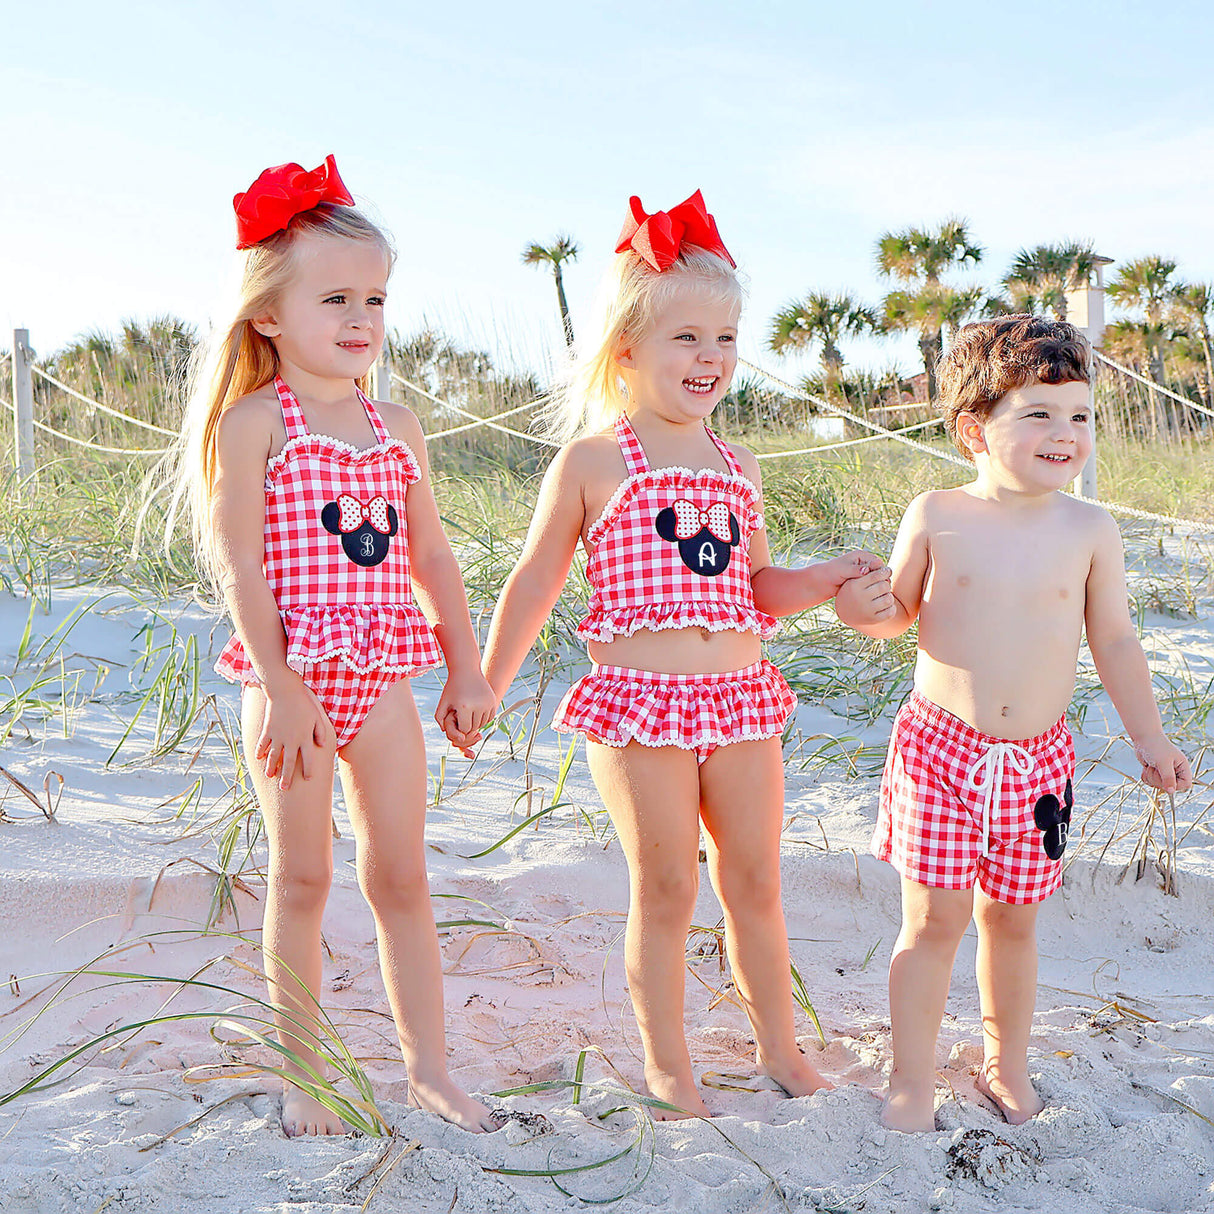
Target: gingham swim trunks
(616, 705)
(957, 805)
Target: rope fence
(92, 446)
(1150, 383)
(476, 421)
(96, 404)
(877, 431)
(1114, 507)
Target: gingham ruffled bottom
(395, 638)
(616, 705)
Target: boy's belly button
(1005, 710)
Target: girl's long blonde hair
(594, 393)
(239, 360)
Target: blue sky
(473, 129)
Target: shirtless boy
(1003, 575)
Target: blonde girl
(313, 512)
(682, 715)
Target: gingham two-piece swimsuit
(337, 560)
(671, 549)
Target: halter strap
(634, 453)
(630, 446)
(730, 462)
(382, 434)
(296, 425)
(292, 413)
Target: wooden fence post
(23, 405)
(383, 378)
(1085, 310)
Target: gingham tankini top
(672, 549)
(337, 552)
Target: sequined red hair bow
(280, 194)
(660, 238)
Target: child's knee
(669, 894)
(1008, 922)
(753, 888)
(394, 888)
(303, 886)
(938, 922)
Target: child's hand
(866, 599)
(293, 727)
(1164, 766)
(857, 563)
(466, 706)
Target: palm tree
(561, 249)
(1145, 286)
(1042, 276)
(916, 258)
(1192, 303)
(820, 318)
(928, 312)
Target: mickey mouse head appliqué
(706, 538)
(364, 529)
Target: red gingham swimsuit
(957, 804)
(672, 550)
(337, 560)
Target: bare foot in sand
(910, 1108)
(1014, 1096)
(680, 1092)
(452, 1104)
(796, 1075)
(304, 1114)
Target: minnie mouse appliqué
(706, 538)
(364, 529)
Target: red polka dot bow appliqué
(690, 520)
(280, 194)
(352, 513)
(660, 238)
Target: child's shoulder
(401, 421)
(590, 456)
(257, 413)
(747, 460)
(935, 505)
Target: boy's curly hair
(990, 358)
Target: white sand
(1124, 1033)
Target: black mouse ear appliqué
(1053, 818)
(365, 529)
(705, 538)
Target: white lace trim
(709, 740)
(724, 479)
(599, 630)
(300, 665)
(275, 463)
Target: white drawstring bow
(986, 776)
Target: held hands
(466, 706)
(293, 727)
(1164, 766)
(865, 594)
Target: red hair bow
(659, 238)
(280, 194)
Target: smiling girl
(681, 713)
